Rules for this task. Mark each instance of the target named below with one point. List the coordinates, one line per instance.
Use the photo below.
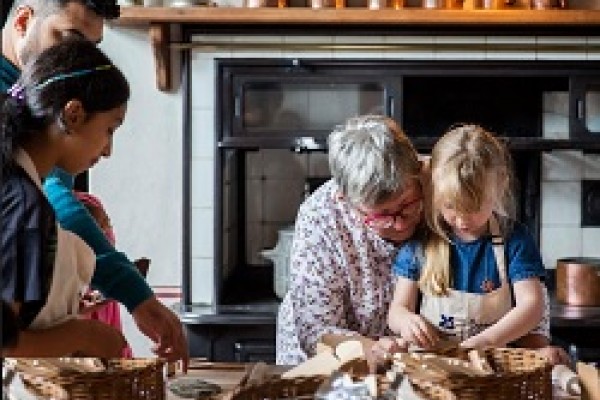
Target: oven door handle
(390, 106)
(579, 111)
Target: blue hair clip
(73, 74)
(17, 92)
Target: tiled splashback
(275, 192)
(562, 172)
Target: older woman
(347, 234)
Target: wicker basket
(277, 389)
(131, 379)
(521, 374)
(305, 388)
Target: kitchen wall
(141, 185)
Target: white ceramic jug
(280, 256)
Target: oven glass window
(307, 106)
(592, 109)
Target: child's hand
(418, 331)
(555, 355)
(383, 348)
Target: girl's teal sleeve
(115, 276)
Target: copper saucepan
(578, 281)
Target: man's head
(34, 25)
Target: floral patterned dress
(341, 279)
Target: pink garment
(89, 200)
(109, 314)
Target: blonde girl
(478, 273)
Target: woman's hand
(164, 328)
(383, 348)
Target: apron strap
(498, 247)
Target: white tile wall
(590, 242)
(203, 126)
(593, 48)
(202, 240)
(308, 54)
(561, 54)
(562, 166)
(348, 40)
(559, 241)
(444, 54)
(556, 115)
(561, 203)
(409, 53)
(506, 53)
(562, 172)
(202, 280)
(203, 187)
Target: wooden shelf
(358, 16)
(306, 21)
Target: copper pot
(578, 281)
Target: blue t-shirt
(473, 262)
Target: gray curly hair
(371, 158)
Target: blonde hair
(370, 159)
(465, 162)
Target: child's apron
(462, 314)
(74, 264)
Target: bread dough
(193, 388)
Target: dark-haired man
(32, 26)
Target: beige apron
(462, 314)
(74, 265)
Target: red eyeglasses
(385, 221)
